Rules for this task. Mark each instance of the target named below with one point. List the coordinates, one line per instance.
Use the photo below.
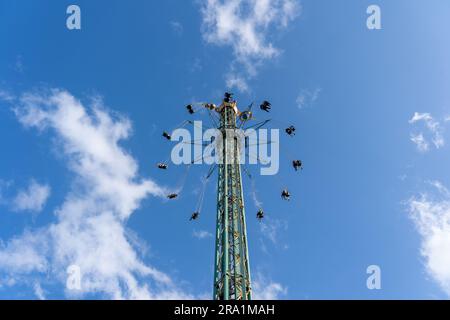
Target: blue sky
(371, 109)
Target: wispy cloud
(237, 81)
(420, 142)
(430, 212)
(266, 289)
(32, 199)
(307, 97)
(253, 193)
(196, 66)
(25, 254)
(245, 26)
(202, 234)
(38, 291)
(6, 96)
(434, 128)
(271, 228)
(89, 227)
(177, 27)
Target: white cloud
(244, 25)
(202, 234)
(91, 143)
(33, 198)
(177, 27)
(433, 127)
(307, 97)
(89, 230)
(25, 254)
(266, 289)
(431, 215)
(236, 81)
(271, 228)
(196, 66)
(421, 117)
(253, 193)
(440, 187)
(6, 96)
(420, 142)
(38, 291)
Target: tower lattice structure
(232, 268)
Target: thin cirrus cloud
(307, 97)
(6, 96)
(272, 228)
(177, 27)
(32, 199)
(38, 291)
(202, 234)
(431, 215)
(245, 26)
(434, 129)
(89, 226)
(266, 289)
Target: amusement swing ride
(232, 279)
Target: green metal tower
(232, 270)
